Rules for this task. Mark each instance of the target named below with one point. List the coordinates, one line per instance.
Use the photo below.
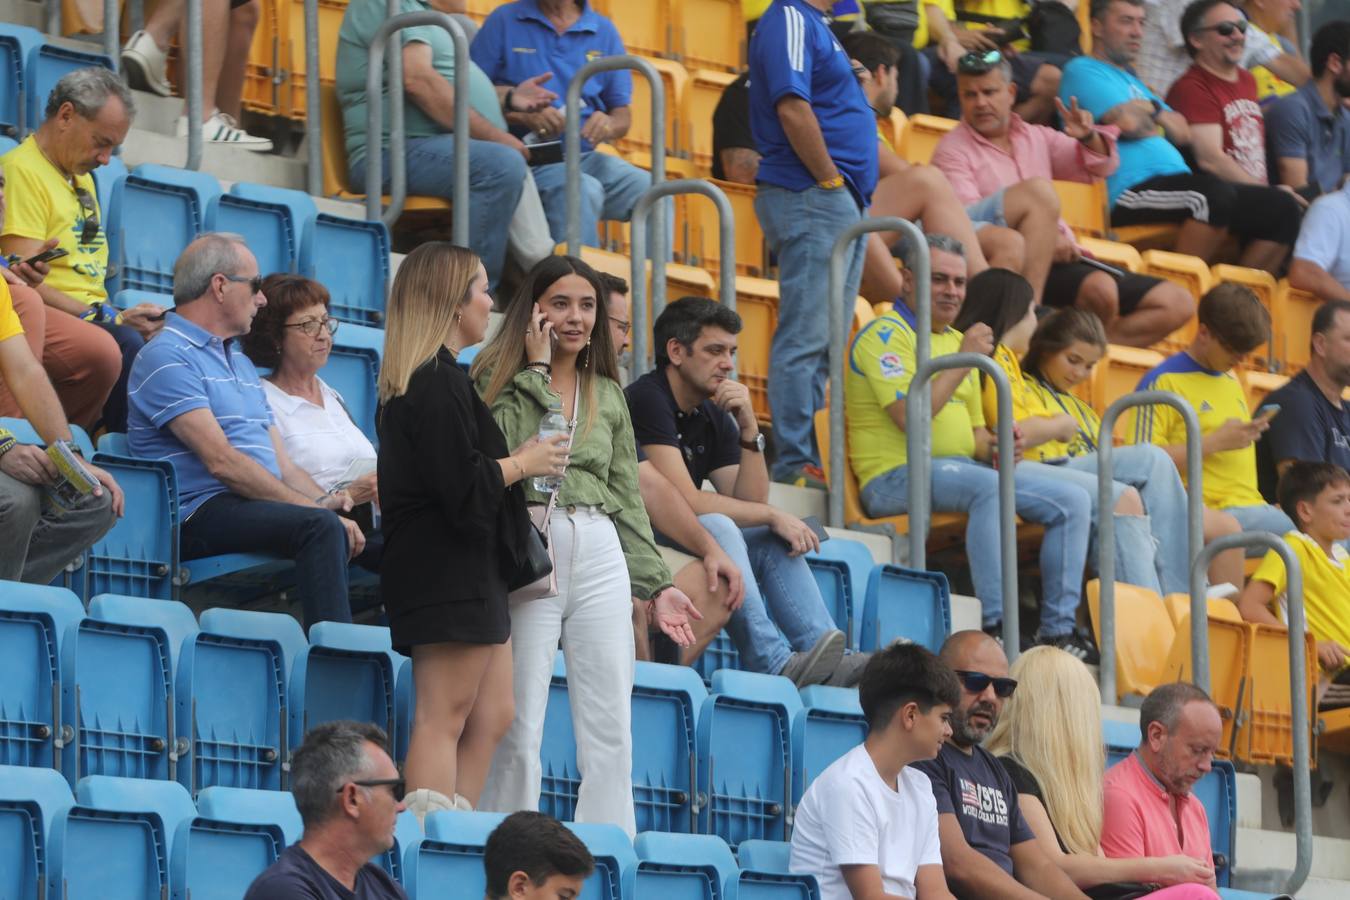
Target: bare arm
(32, 390)
(1292, 171)
(1254, 604)
(864, 883)
(201, 433)
(1207, 143)
(1038, 430)
(294, 477)
(436, 97)
(740, 164)
(1134, 118)
(971, 873)
(1174, 126)
(670, 511)
(1038, 872)
(1290, 67)
(670, 463)
(931, 884)
(1309, 276)
(803, 133)
(889, 162)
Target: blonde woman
(454, 516)
(554, 350)
(1049, 738)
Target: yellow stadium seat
(713, 36)
(1083, 207)
(647, 27)
(1293, 315)
(751, 253)
(757, 304)
(1143, 628)
(479, 9)
(1266, 737)
(1264, 286)
(1258, 384)
(1229, 656)
(1117, 374)
(705, 90)
(262, 72)
(1179, 608)
(921, 137)
(636, 146)
(1333, 731)
(893, 128)
(1122, 256)
(1188, 271)
(291, 21)
(681, 280)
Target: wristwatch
(755, 445)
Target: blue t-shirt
(1100, 86)
(982, 796)
(1299, 126)
(185, 368)
(1309, 428)
(296, 876)
(1324, 239)
(517, 42)
(793, 52)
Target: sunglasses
(976, 682)
(397, 786)
(89, 230)
(623, 326)
(254, 283)
(1224, 29)
(978, 63)
(312, 327)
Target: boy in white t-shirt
(867, 827)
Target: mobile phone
(1266, 413)
(813, 523)
(545, 153)
(47, 255)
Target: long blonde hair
(504, 355)
(1052, 725)
(432, 284)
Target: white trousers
(592, 617)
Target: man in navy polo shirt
(196, 401)
(818, 137)
(1309, 130)
(527, 38)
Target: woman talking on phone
(454, 521)
(553, 352)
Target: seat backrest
(1229, 662)
(111, 854)
(30, 798)
(48, 64)
(718, 40)
(334, 143)
(266, 228)
(449, 860)
(678, 866)
(219, 860)
(829, 725)
(666, 703)
(766, 856)
(353, 370)
(351, 258)
(852, 567)
(615, 862)
(720, 654)
(348, 672)
(23, 430)
(139, 555)
(1142, 628)
(34, 624)
(905, 603)
(252, 807)
(1266, 735)
(922, 134)
(1217, 790)
(705, 91)
(177, 202)
(106, 178)
(16, 42)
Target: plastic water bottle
(551, 425)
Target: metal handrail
(313, 106)
(193, 54)
(726, 233)
(112, 14)
(1106, 526)
(398, 176)
(572, 139)
(1298, 675)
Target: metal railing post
(51, 19)
(840, 312)
(1298, 681)
(193, 53)
(1106, 525)
(572, 142)
(398, 176)
(313, 107)
(112, 15)
(726, 232)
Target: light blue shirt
(1100, 86)
(1324, 238)
(185, 368)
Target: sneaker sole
(822, 660)
(140, 76)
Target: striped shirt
(185, 368)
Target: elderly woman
(292, 335)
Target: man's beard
(963, 733)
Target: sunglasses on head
(89, 230)
(397, 786)
(1225, 29)
(978, 63)
(976, 682)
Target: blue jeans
(496, 176)
(1261, 518)
(1152, 550)
(130, 342)
(801, 227)
(775, 583)
(963, 485)
(610, 188)
(314, 538)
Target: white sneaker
(145, 65)
(223, 129)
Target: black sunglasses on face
(89, 230)
(254, 283)
(397, 786)
(1225, 29)
(978, 63)
(976, 682)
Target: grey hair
(332, 754)
(211, 254)
(1165, 703)
(909, 253)
(87, 90)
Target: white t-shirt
(849, 816)
(321, 440)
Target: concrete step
(229, 164)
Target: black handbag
(1121, 890)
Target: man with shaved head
(988, 850)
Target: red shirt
(1206, 99)
(1137, 817)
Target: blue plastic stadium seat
(721, 654)
(16, 43)
(830, 724)
(1123, 736)
(351, 258)
(34, 622)
(903, 603)
(841, 568)
(558, 751)
(47, 64)
(666, 704)
(236, 835)
(30, 799)
(348, 672)
(353, 369)
(404, 699)
(250, 807)
(266, 228)
(448, 862)
(106, 179)
(615, 862)
(7, 144)
(117, 689)
(176, 201)
(745, 756)
(139, 556)
(765, 876)
(23, 430)
(232, 700)
(683, 866)
(407, 834)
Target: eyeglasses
(312, 327)
(978, 63)
(1224, 29)
(623, 326)
(397, 786)
(254, 283)
(89, 230)
(976, 682)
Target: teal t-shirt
(362, 19)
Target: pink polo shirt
(1137, 818)
(977, 168)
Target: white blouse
(322, 440)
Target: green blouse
(602, 470)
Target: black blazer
(451, 527)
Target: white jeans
(592, 615)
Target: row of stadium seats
(30, 66)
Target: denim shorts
(987, 211)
